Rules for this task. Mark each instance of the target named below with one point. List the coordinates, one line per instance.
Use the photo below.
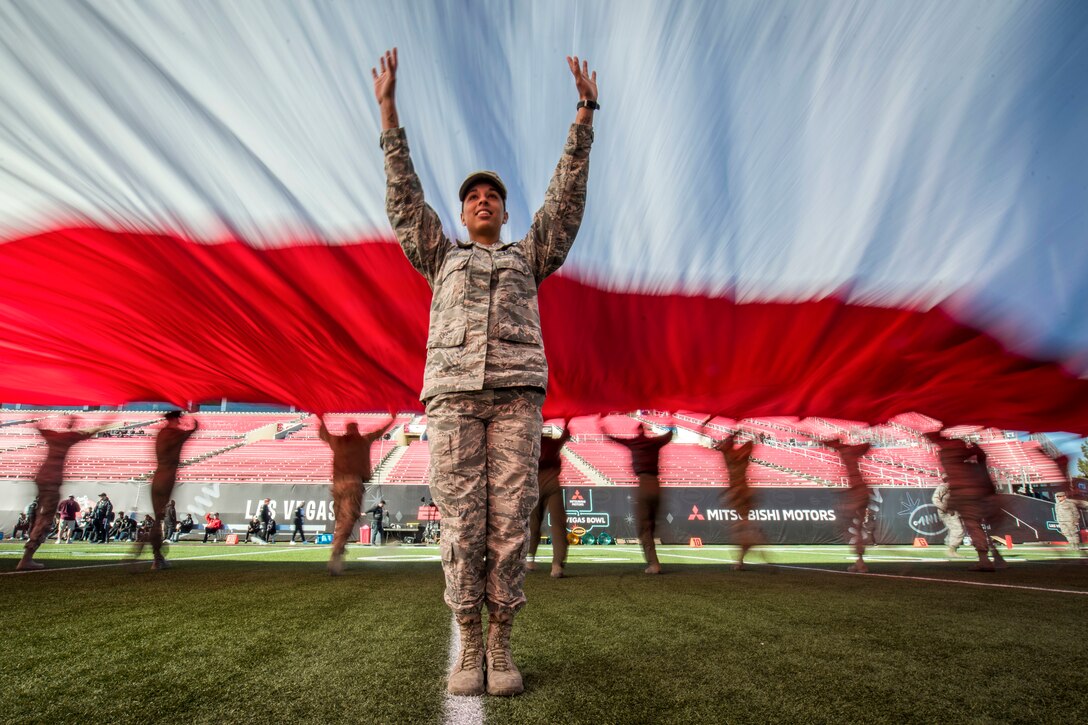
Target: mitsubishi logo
(577, 496)
(695, 515)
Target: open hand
(584, 81)
(385, 83)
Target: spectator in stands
(951, 520)
(350, 474)
(103, 515)
(377, 531)
(299, 517)
(1067, 511)
(21, 529)
(550, 501)
(739, 496)
(645, 453)
(170, 521)
(213, 525)
(184, 527)
(856, 500)
(169, 441)
(49, 479)
(972, 494)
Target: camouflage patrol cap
(477, 176)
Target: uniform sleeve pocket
(447, 336)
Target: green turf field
(262, 634)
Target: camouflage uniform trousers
(162, 487)
(973, 515)
(48, 500)
(649, 501)
(854, 503)
(952, 522)
(485, 448)
(1071, 532)
(746, 533)
(551, 501)
(347, 500)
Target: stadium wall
(786, 515)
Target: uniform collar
(500, 246)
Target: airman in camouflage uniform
(1067, 511)
(739, 494)
(350, 474)
(951, 520)
(856, 499)
(169, 441)
(550, 502)
(485, 374)
(49, 479)
(645, 453)
(971, 494)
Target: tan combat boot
(467, 677)
(503, 678)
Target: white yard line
(129, 562)
(992, 585)
(457, 709)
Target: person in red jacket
(212, 525)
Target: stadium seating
(787, 457)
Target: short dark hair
(173, 414)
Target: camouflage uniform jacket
(1066, 511)
(485, 327)
(940, 497)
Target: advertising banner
(802, 515)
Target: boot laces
(499, 659)
(470, 657)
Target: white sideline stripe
(128, 562)
(992, 585)
(458, 709)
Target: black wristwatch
(591, 105)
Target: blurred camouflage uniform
(49, 479)
(739, 496)
(971, 494)
(855, 501)
(941, 497)
(168, 444)
(1067, 511)
(551, 501)
(486, 373)
(350, 473)
(645, 453)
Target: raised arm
(379, 432)
(556, 223)
(415, 224)
(323, 432)
(565, 435)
